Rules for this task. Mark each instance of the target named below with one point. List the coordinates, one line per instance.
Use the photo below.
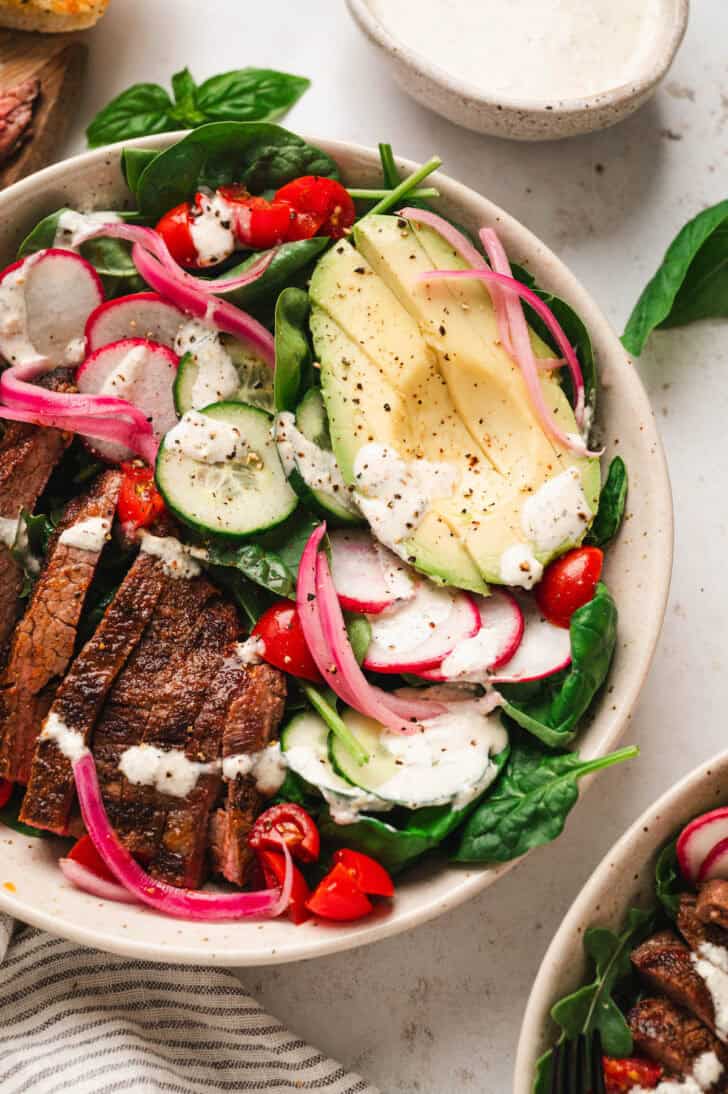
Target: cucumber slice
(449, 761)
(305, 743)
(311, 419)
(255, 378)
(235, 497)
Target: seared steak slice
(252, 723)
(665, 964)
(80, 697)
(27, 457)
(43, 642)
(712, 904)
(16, 113)
(671, 1036)
(693, 929)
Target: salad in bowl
(303, 521)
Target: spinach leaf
(691, 282)
(594, 1006)
(252, 599)
(250, 95)
(263, 567)
(31, 546)
(257, 155)
(269, 561)
(111, 258)
(529, 804)
(140, 110)
(291, 265)
(9, 815)
(289, 539)
(612, 500)
(293, 353)
(134, 162)
(359, 632)
(668, 879)
(552, 713)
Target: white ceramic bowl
(32, 887)
(522, 119)
(624, 878)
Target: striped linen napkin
(81, 1021)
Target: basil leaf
(250, 94)
(691, 282)
(138, 111)
(530, 803)
(668, 879)
(552, 713)
(612, 500)
(257, 155)
(293, 353)
(185, 100)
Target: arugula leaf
(258, 155)
(553, 711)
(530, 803)
(140, 110)
(668, 879)
(612, 500)
(250, 94)
(293, 353)
(691, 283)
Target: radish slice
(91, 883)
(50, 296)
(136, 370)
(141, 315)
(501, 627)
(698, 840)
(543, 650)
(716, 864)
(182, 903)
(368, 577)
(417, 634)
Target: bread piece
(51, 16)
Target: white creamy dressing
(557, 513)
(394, 494)
(17, 347)
(170, 771)
(68, 741)
(217, 378)
(406, 625)
(73, 226)
(250, 652)
(87, 535)
(711, 964)
(207, 440)
(211, 230)
(122, 382)
(268, 768)
(345, 801)
(529, 49)
(472, 655)
(449, 760)
(707, 1069)
(176, 559)
(317, 467)
(399, 581)
(9, 528)
(518, 566)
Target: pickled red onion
(89, 882)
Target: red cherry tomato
(257, 223)
(569, 583)
(273, 865)
(283, 643)
(6, 792)
(339, 897)
(139, 500)
(370, 875)
(174, 228)
(290, 824)
(623, 1075)
(322, 206)
(85, 854)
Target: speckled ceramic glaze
(625, 877)
(32, 887)
(472, 107)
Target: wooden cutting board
(57, 61)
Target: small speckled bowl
(624, 878)
(523, 120)
(637, 570)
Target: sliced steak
(252, 723)
(16, 114)
(27, 457)
(43, 642)
(671, 1036)
(665, 964)
(712, 903)
(80, 697)
(694, 930)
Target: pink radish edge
(543, 650)
(139, 303)
(354, 559)
(695, 844)
(511, 641)
(463, 619)
(715, 865)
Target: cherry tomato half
(569, 583)
(85, 854)
(257, 223)
(339, 897)
(321, 204)
(174, 228)
(273, 865)
(623, 1075)
(283, 643)
(370, 875)
(140, 503)
(6, 792)
(290, 824)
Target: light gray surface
(439, 1010)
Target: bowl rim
(472, 880)
(660, 58)
(581, 911)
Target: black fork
(577, 1066)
